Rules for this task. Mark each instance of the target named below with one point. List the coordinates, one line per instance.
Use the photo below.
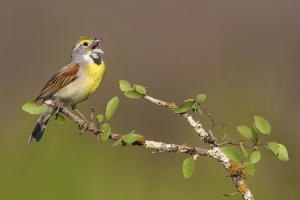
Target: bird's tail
(41, 124)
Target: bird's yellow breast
(95, 75)
(86, 84)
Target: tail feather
(41, 124)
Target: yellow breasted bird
(74, 83)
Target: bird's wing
(62, 78)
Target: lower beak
(97, 51)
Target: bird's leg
(92, 114)
(58, 105)
(92, 120)
(83, 117)
(74, 108)
(53, 101)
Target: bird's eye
(85, 44)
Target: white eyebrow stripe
(80, 43)
(76, 46)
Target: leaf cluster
(262, 126)
(191, 103)
(135, 92)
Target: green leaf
(262, 125)
(184, 107)
(250, 168)
(140, 89)
(124, 85)
(188, 167)
(100, 118)
(130, 138)
(33, 109)
(134, 87)
(254, 133)
(106, 130)
(111, 107)
(245, 131)
(231, 153)
(201, 97)
(199, 111)
(195, 107)
(59, 118)
(230, 194)
(117, 142)
(224, 133)
(133, 94)
(243, 149)
(255, 156)
(253, 125)
(189, 100)
(283, 153)
(274, 147)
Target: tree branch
(214, 151)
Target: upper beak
(97, 40)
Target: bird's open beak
(94, 46)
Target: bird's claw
(83, 126)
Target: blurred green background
(243, 55)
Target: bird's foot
(81, 115)
(84, 125)
(57, 104)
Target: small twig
(92, 114)
(211, 118)
(223, 125)
(260, 143)
(84, 129)
(224, 143)
(247, 146)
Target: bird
(74, 83)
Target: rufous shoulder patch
(72, 71)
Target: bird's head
(86, 50)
